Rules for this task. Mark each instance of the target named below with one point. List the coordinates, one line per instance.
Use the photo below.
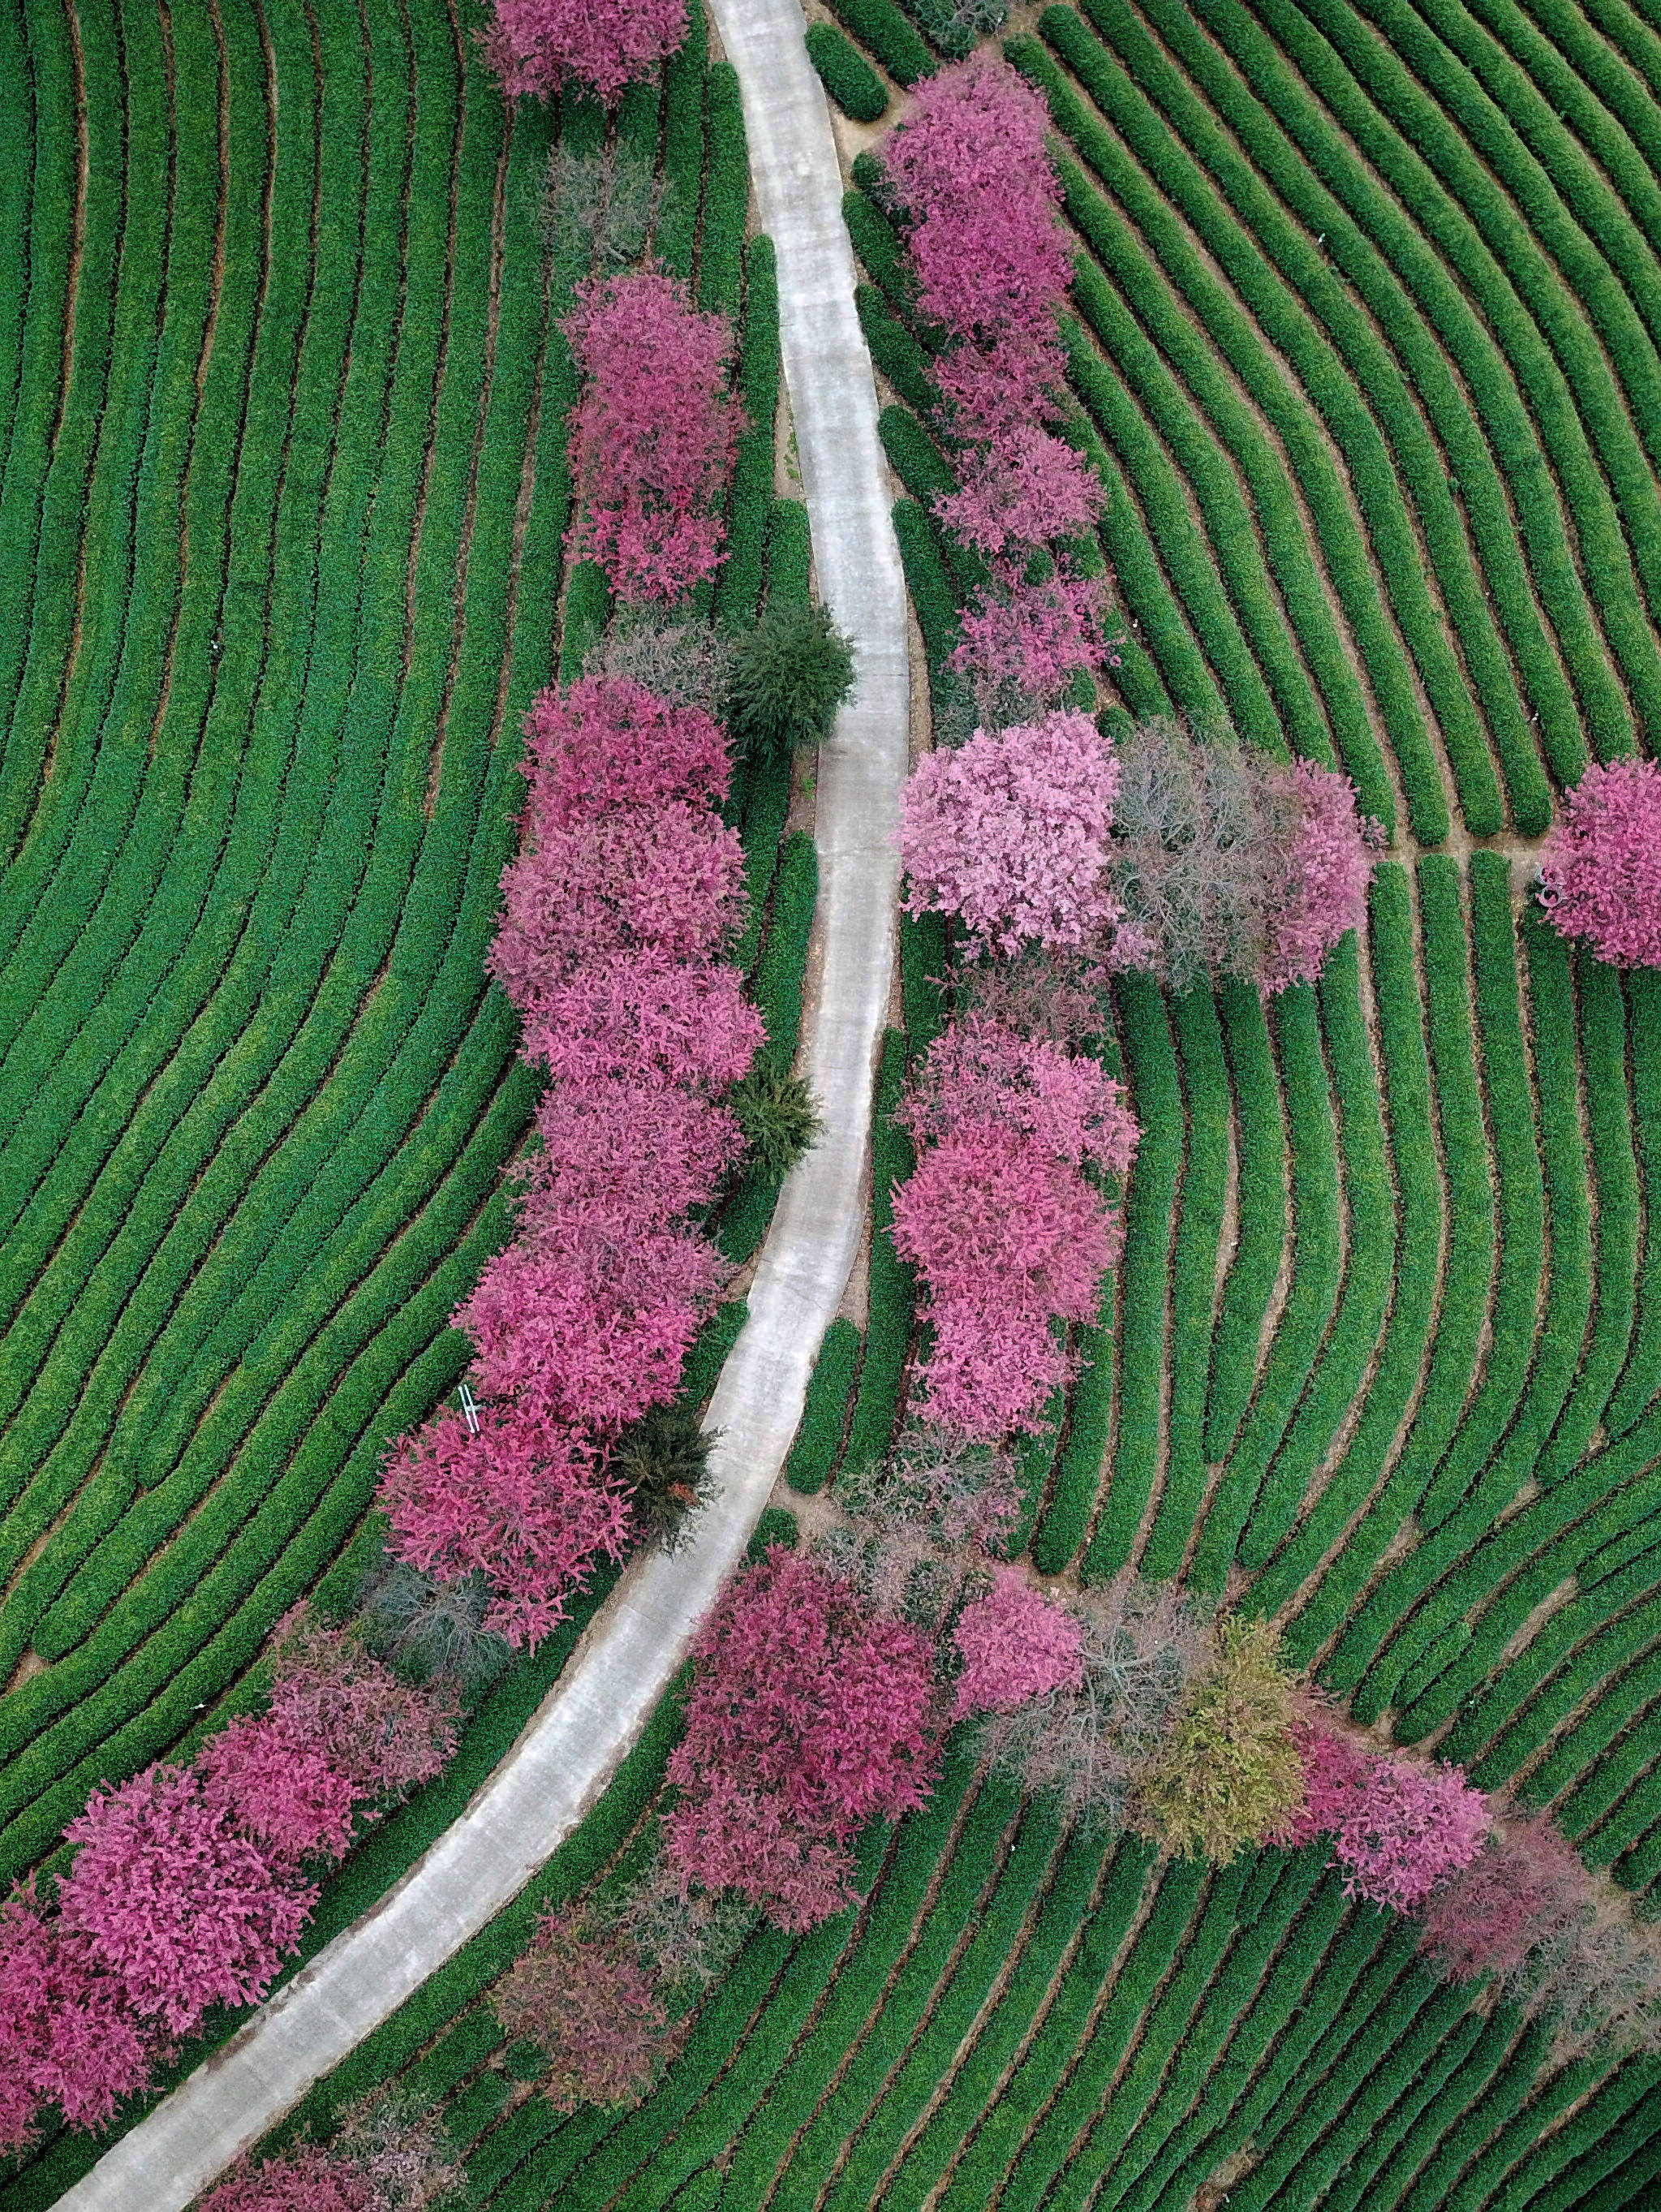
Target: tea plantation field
(1365, 339)
(284, 491)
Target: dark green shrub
(846, 74)
(664, 1458)
(778, 1116)
(789, 676)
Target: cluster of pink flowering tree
(1006, 1219)
(623, 897)
(536, 47)
(191, 1884)
(809, 1715)
(1600, 869)
(969, 170)
(382, 2158)
(653, 436)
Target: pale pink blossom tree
(527, 1501)
(1008, 1232)
(535, 46)
(1016, 1644)
(1317, 864)
(1600, 868)
(1010, 832)
(653, 435)
(182, 1909)
(806, 1703)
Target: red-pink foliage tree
(66, 2036)
(1010, 834)
(809, 1715)
(178, 1907)
(652, 434)
(644, 1018)
(583, 1997)
(614, 1157)
(527, 1501)
(1017, 1644)
(535, 46)
(610, 742)
(283, 1791)
(1318, 864)
(1024, 638)
(307, 2179)
(980, 1072)
(1018, 493)
(1398, 1830)
(1526, 1887)
(1600, 867)
(331, 1692)
(1007, 1230)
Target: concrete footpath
(572, 1746)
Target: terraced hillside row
(284, 494)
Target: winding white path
(573, 1744)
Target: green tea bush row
(1369, 1267)
(1150, 1209)
(1311, 1298)
(1027, 2095)
(738, 583)
(1421, 164)
(893, 1292)
(725, 204)
(819, 1441)
(883, 32)
(1412, 450)
(846, 74)
(1407, 1078)
(1193, 1274)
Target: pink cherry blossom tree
(1010, 832)
(527, 1501)
(654, 432)
(1008, 1233)
(1317, 864)
(280, 1790)
(1016, 1644)
(1600, 868)
(808, 1716)
(535, 46)
(178, 1907)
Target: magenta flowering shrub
(653, 435)
(1600, 868)
(1010, 832)
(1016, 1644)
(181, 1908)
(1398, 1830)
(304, 2179)
(1007, 1233)
(528, 1502)
(809, 1715)
(279, 1790)
(535, 46)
